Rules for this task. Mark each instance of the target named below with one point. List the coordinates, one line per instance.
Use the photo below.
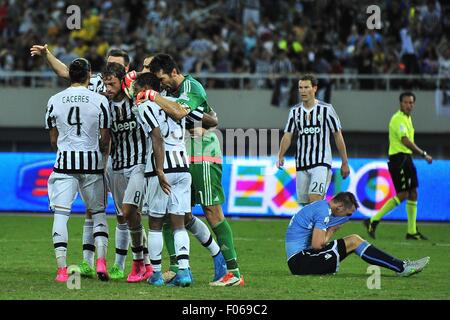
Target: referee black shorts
(403, 172)
(324, 261)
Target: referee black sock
(373, 255)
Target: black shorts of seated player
(324, 261)
(146, 81)
(79, 70)
(114, 69)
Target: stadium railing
(346, 81)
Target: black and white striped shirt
(194, 116)
(96, 83)
(129, 145)
(176, 159)
(314, 127)
(78, 114)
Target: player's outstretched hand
(165, 186)
(429, 159)
(345, 170)
(38, 50)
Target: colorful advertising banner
(253, 187)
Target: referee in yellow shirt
(401, 167)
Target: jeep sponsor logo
(124, 126)
(309, 130)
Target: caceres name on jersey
(172, 132)
(78, 124)
(129, 145)
(314, 127)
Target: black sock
(372, 255)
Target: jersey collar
(316, 102)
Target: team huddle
(124, 132)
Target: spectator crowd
(236, 36)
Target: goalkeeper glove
(127, 83)
(146, 95)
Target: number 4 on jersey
(77, 121)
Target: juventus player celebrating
(313, 121)
(129, 150)
(121, 234)
(78, 121)
(168, 187)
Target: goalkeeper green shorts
(206, 187)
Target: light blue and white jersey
(299, 232)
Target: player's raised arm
(58, 67)
(210, 120)
(173, 109)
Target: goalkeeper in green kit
(205, 167)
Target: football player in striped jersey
(78, 121)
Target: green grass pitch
(27, 265)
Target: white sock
(200, 230)
(100, 234)
(122, 244)
(88, 242)
(145, 244)
(60, 237)
(136, 243)
(182, 243)
(155, 241)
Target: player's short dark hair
(310, 77)
(114, 69)
(164, 62)
(346, 198)
(119, 53)
(149, 80)
(407, 94)
(79, 70)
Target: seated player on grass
(308, 246)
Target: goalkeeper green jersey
(192, 94)
(206, 148)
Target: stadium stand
(230, 36)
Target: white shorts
(127, 186)
(312, 181)
(63, 188)
(108, 176)
(157, 203)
